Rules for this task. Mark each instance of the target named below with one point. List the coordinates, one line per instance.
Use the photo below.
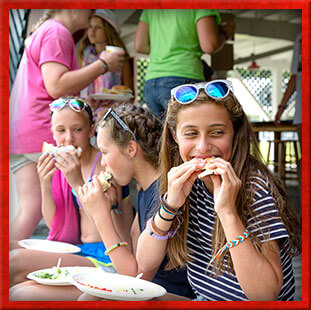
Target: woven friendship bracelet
(231, 244)
(115, 246)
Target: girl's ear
(174, 135)
(131, 149)
(92, 131)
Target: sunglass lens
(186, 94)
(57, 104)
(217, 89)
(77, 105)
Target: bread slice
(104, 178)
(123, 89)
(52, 149)
(206, 170)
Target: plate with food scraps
(116, 97)
(48, 246)
(116, 287)
(60, 276)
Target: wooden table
(285, 126)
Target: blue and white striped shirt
(199, 242)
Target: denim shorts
(157, 92)
(17, 161)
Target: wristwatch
(105, 65)
(115, 208)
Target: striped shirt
(199, 241)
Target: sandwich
(206, 170)
(52, 149)
(104, 178)
(117, 90)
(121, 89)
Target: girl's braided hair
(146, 127)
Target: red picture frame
(133, 4)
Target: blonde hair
(48, 14)
(112, 37)
(247, 163)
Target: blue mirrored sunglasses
(74, 103)
(120, 122)
(187, 93)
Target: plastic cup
(112, 49)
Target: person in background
(103, 30)
(61, 174)
(176, 40)
(48, 70)
(294, 84)
(128, 137)
(233, 228)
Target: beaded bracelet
(167, 207)
(154, 235)
(231, 244)
(115, 246)
(169, 234)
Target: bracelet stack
(167, 209)
(114, 247)
(157, 233)
(231, 244)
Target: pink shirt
(29, 101)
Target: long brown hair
(112, 37)
(247, 163)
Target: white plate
(62, 278)
(48, 246)
(117, 97)
(116, 287)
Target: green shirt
(174, 44)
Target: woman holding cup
(104, 34)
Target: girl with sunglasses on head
(233, 229)
(48, 70)
(128, 137)
(60, 175)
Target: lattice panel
(142, 64)
(259, 84)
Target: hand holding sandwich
(69, 164)
(97, 197)
(226, 186)
(180, 181)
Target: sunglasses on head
(75, 104)
(187, 93)
(120, 122)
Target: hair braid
(146, 127)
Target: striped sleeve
(265, 221)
